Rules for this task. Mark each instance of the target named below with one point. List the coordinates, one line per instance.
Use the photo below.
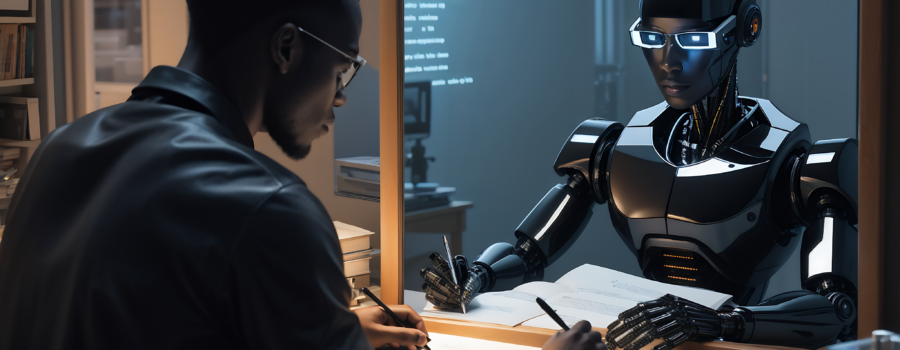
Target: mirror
(494, 89)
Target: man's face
(301, 107)
(681, 75)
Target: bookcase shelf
(19, 143)
(23, 20)
(16, 82)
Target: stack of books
(16, 51)
(357, 249)
(8, 186)
(9, 153)
(19, 118)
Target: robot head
(691, 45)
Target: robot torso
(724, 216)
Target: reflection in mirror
(495, 89)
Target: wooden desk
(531, 336)
(449, 219)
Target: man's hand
(580, 337)
(381, 329)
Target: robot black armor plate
(704, 224)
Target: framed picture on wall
(17, 11)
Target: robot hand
(671, 318)
(439, 287)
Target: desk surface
(532, 336)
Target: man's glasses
(355, 63)
(689, 40)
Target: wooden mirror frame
(875, 147)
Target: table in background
(450, 218)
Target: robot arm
(558, 219)
(824, 195)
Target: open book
(589, 292)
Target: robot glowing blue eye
(694, 40)
(653, 39)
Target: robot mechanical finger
(439, 295)
(439, 304)
(440, 265)
(439, 283)
(671, 318)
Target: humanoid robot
(708, 189)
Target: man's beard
(283, 132)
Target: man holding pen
(153, 224)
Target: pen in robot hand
(453, 274)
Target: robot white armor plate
(695, 224)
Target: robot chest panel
(653, 196)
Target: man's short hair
(214, 23)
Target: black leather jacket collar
(194, 92)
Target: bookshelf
(40, 85)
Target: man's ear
(286, 47)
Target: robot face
(682, 74)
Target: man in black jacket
(153, 224)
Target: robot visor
(649, 39)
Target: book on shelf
(28, 70)
(7, 153)
(16, 51)
(357, 267)
(19, 118)
(359, 254)
(8, 187)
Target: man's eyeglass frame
(714, 39)
(355, 63)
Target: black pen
(552, 313)
(390, 313)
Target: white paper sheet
(452, 342)
(589, 292)
(507, 308)
(599, 310)
(603, 281)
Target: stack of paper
(589, 292)
(452, 342)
